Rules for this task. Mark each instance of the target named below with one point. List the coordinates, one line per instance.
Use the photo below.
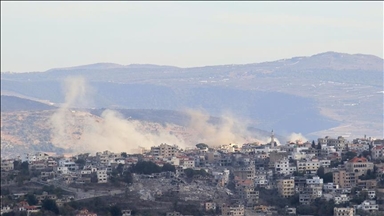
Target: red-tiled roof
(358, 160)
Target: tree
(189, 172)
(319, 146)
(31, 199)
(81, 162)
(115, 210)
(348, 156)
(365, 154)
(168, 167)
(146, 167)
(124, 155)
(313, 144)
(328, 177)
(127, 177)
(50, 205)
(320, 172)
(94, 177)
(120, 169)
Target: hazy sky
(37, 36)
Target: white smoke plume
(110, 132)
(228, 130)
(79, 131)
(297, 137)
(76, 92)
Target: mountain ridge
(110, 65)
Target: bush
(50, 205)
(146, 167)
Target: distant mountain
(330, 92)
(12, 103)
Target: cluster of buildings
(291, 169)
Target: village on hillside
(329, 176)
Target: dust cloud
(297, 137)
(229, 129)
(79, 131)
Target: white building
(69, 164)
(343, 211)
(368, 205)
(62, 170)
(377, 152)
(330, 187)
(102, 176)
(308, 166)
(282, 167)
(341, 198)
(315, 181)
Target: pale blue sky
(37, 36)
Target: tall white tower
(272, 139)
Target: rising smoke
(229, 129)
(112, 132)
(297, 137)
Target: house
(344, 179)
(233, 210)
(175, 213)
(102, 176)
(7, 165)
(283, 167)
(247, 172)
(339, 143)
(32, 209)
(308, 166)
(126, 212)
(343, 211)
(377, 152)
(208, 206)
(45, 195)
(341, 198)
(359, 165)
(312, 189)
(5, 209)
(85, 212)
(286, 187)
(368, 205)
(164, 150)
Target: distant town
(327, 176)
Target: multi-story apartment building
(341, 198)
(343, 211)
(232, 210)
(368, 205)
(344, 178)
(283, 167)
(245, 172)
(339, 143)
(7, 165)
(286, 187)
(378, 152)
(209, 206)
(250, 195)
(72, 166)
(308, 166)
(359, 165)
(164, 150)
(37, 157)
(102, 176)
(167, 150)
